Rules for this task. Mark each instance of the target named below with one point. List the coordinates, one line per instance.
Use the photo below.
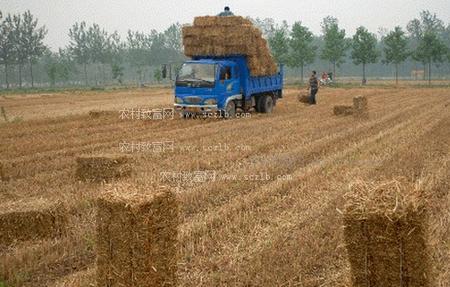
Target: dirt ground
(265, 209)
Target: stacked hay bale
(136, 237)
(360, 106)
(103, 168)
(385, 227)
(233, 35)
(31, 219)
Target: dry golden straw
(103, 167)
(222, 36)
(136, 237)
(385, 227)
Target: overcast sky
(121, 15)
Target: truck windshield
(197, 75)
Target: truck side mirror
(164, 71)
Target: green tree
(30, 41)
(303, 52)
(157, 75)
(336, 45)
(98, 47)
(396, 49)
(7, 51)
(430, 50)
(138, 48)
(79, 46)
(364, 49)
(279, 43)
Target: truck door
(229, 80)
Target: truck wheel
(267, 104)
(230, 110)
(259, 104)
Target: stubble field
(266, 209)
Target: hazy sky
(121, 15)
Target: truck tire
(259, 104)
(267, 104)
(230, 110)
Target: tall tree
(7, 51)
(138, 47)
(31, 39)
(364, 49)
(336, 45)
(279, 43)
(79, 46)
(266, 25)
(396, 49)
(98, 45)
(303, 52)
(431, 49)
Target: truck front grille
(192, 100)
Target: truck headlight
(178, 100)
(210, 102)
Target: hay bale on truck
(136, 237)
(385, 234)
(231, 68)
(31, 219)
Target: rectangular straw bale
(343, 110)
(385, 235)
(98, 168)
(360, 105)
(303, 98)
(136, 237)
(31, 219)
(95, 114)
(205, 21)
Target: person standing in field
(313, 87)
(226, 12)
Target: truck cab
(223, 84)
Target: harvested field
(264, 208)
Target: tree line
(425, 40)
(95, 56)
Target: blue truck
(224, 85)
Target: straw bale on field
(360, 106)
(136, 237)
(103, 167)
(343, 110)
(235, 35)
(385, 235)
(95, 114)
(302, 98)
(31, 219)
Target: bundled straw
(103, 167)
(31, 219)
(223, 36)
(95, 114)
(302, 98)
(136, 237)
(343, 110)
(360, 105)
(359, 109)
(385, 226)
